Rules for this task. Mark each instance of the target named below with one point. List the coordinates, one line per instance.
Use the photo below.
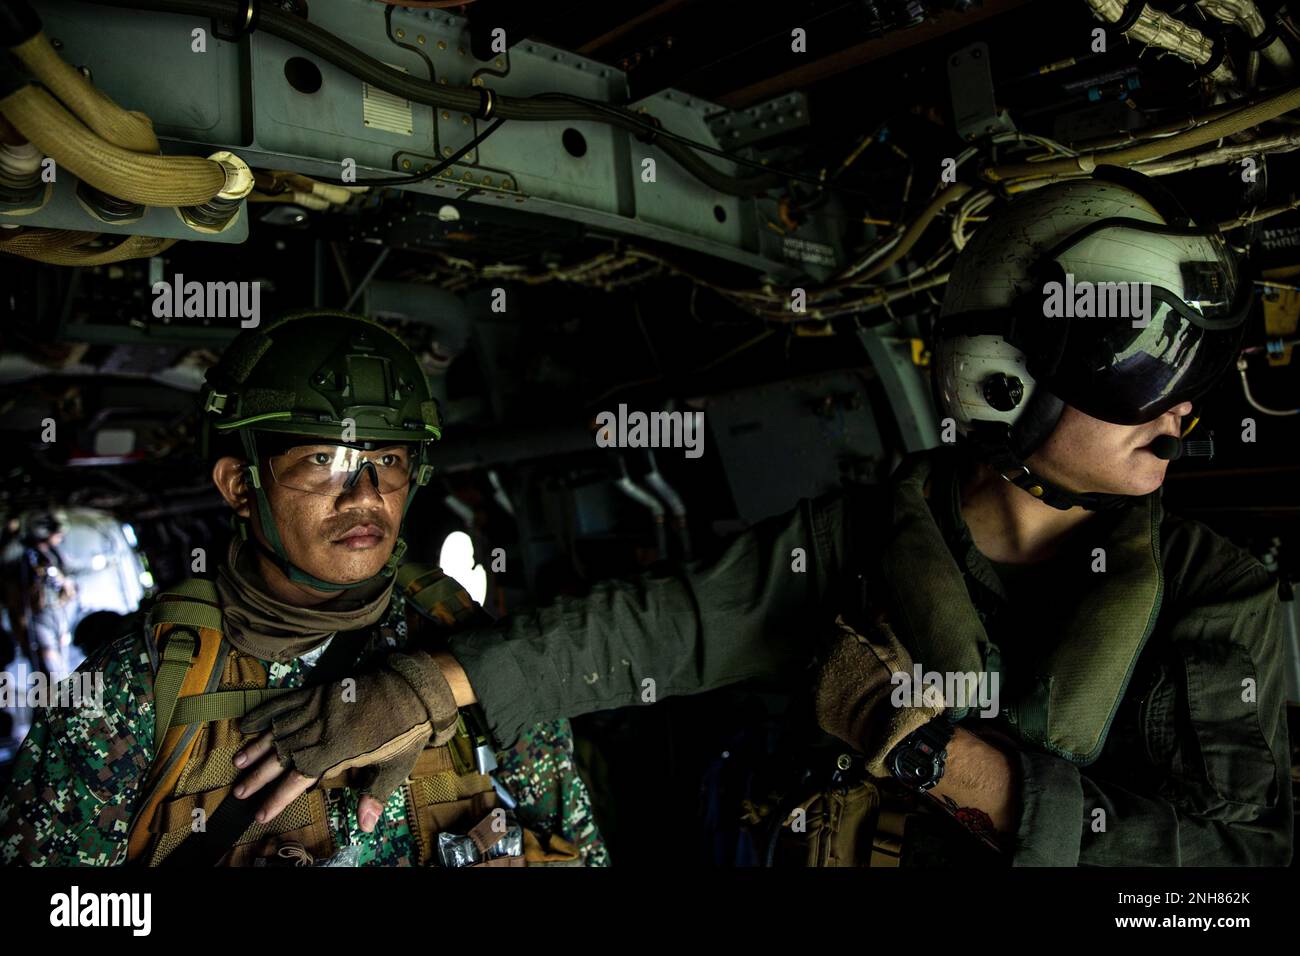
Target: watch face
(916, 767)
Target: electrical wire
(421, 176)
(1234, 122)
(969, 210)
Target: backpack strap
(175, 621)
(188, 650)
(221, 705)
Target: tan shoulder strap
(186, 642)
(174, 623)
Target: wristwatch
(918, 760)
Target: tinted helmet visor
(1134, 349)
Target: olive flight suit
(1141, 677)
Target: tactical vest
(203, 685)
(1066, 711)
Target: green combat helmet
(332, 376)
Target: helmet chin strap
(276, 552)
(992, 444)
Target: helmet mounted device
(1165, 346)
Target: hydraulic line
(1165, 31)
(66, 247)
(123, 137)
(1231, 153)
(1101, 143)
(1245, 14)
(20, 31)
(1234, 122)
(136, 177)
(115, 125)
(914, 232)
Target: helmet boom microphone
(1168, 447)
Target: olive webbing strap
(221, 705)
(175, 662)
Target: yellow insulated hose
(1234, 122)
(129, 130)
(135, 177)
(63, 247)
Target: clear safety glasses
(335, 469)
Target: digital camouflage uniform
(76, 781)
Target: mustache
(338, 525)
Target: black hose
(420, 176)
(338, 52)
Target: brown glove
(381, 726)
(854, 690)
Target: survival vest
(842, 818)
(203, 685)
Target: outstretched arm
(751, 613)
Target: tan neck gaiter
(259, 624)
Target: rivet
(446, 115)
(446, 151)
(464, 121)
(500, 63)
(406, 164)
(442, 44)
(420, 39)
(400, 33)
